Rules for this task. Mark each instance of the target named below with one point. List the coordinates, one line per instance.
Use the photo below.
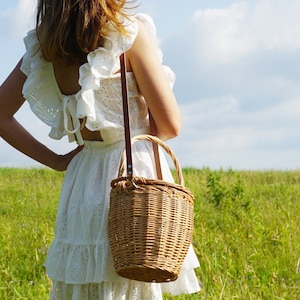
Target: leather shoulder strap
(127, 126)
(126, 116)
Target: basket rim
(137, 182)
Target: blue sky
(237, 65)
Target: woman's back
(67, 77)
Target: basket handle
(159, 142)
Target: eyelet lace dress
(79, 260)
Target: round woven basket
(150, 224)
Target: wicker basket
(150, 224)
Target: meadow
(247, 234)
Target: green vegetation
(247, 233)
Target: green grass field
(247, 233)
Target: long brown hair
(68, 29)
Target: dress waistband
(102, 146)
(107, 146)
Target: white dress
(79, 260)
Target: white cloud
(275, 24)
(238, 84)
(219, 33)
(217, 133)
(225, 35)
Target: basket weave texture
(150, 224)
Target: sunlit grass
(247, 234)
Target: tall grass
(247, 234)
(28, 200)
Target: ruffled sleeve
(42, 95)
(32, 47)
(102, 64)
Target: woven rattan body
(150, 225)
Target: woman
(70, 77)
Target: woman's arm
(154, 86)
(11, 99)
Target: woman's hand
(63, 160)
